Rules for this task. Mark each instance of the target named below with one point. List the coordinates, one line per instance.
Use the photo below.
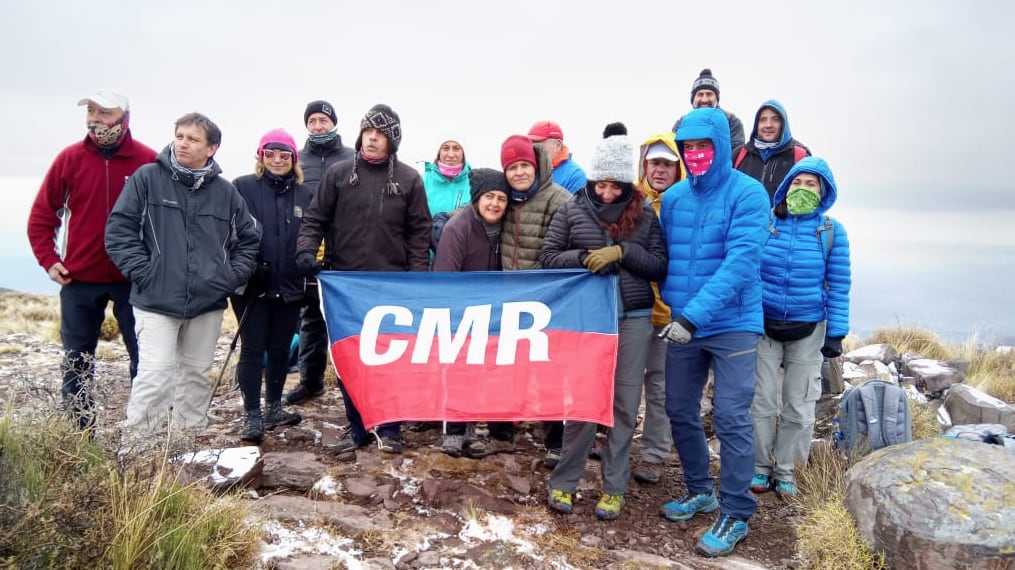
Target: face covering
(699, 161)
(109, 137)
(324, 138)
(800, 201)
(450, 171)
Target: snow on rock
(281, 542)
(326, 486)
(224, 468)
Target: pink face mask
(699, 161)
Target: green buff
(801, 201)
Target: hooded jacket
(445, 194)
(83, 186)
(525, 223)
(575, 230)
(661, 315)
(769, 166)
(736, 134)
(278, 204)
(794, 267)
(715, 227)
(184, 250)
(363, 226)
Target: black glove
(260, 280)
(833, 347)
(306, 263)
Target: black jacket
(770, 172)
(316, 159)
(575, 230)
(278, 203)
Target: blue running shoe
(689, 505)
(785, 489)
(722, 537)
(761, 483)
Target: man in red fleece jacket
(66, 228)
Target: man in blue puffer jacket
(715, 225)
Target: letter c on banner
(371, 329)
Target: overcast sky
(910, 102)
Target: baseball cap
(543, 130)
(107, 100)
(660, 150)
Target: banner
(474, 346)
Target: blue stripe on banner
(402, 302)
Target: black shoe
(275, 416)
(302, 394)
(253, 427)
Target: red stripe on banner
(575, 384)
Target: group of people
(724, 254)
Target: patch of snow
(326, 486)
(281, 542)
(229, 463)
(943, 417)
(928, 366)
(497, 528)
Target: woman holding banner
(470, 241)
(609, 229)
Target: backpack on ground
(876, 411)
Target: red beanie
(515, 148)
(280, 137)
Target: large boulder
(936, 503)
(883, 352)
(967, 405)
(933, 374)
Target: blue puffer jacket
(569, 175)
(793, 265)
(715, 227)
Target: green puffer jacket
(525, 223)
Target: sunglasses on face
(277, 154)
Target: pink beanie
(278, 136)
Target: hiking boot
(725, 533)
(785, 489)
(452, 445)
(275, 416)
(488, 446)
(253, 427)
(761, 483)
(689, 505)
(389, 445)
(647, 472)
(609, 506)
(302, 394)
(552, 458)
(345, 445)
(560, 501)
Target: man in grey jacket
(705, 93)
(184, 237)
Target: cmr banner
(474, 346)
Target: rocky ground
(420, 509)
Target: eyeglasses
(279, 154)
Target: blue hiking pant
(732, 357)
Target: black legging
(269, 326)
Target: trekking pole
(232, 347)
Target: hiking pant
(656, 439)
(313, 341)
(175, 357)
(358, 430)
(786, 431)
(732, 357)
(628, 378)
(269, 325)
(82, 310)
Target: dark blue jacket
(715, 226)
(278, 204)
(794, 267)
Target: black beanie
(483, 180)
(320, 107)
(705, 81)
(382, 118)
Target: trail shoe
(725, 533)
(345, 445)
(253, 427)
(785, 489)
(488, 446)
(560, 501)
(552, 458)
(609, 506)
(389, 445)
(647, 472)
(761, 483)
(689, 505)
(275, 416)
(452, 445)
(302, 394)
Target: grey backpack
(877, 411)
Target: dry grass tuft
(912, 340)
(110, 329)
(925, 424)
(566, 541)
(992, 371)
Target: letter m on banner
(474, 346)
